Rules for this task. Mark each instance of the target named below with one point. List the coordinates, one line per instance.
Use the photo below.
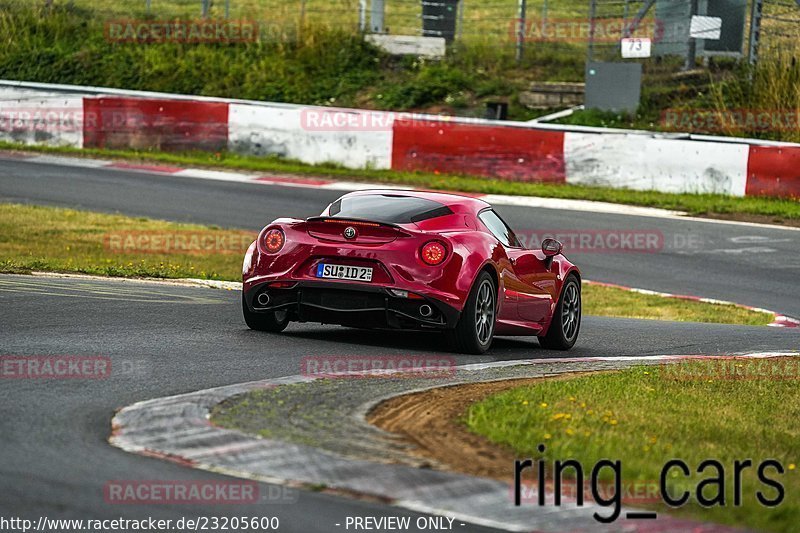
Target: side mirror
(551, 248)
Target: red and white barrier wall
(108, 118)
(520, 154)
(314, 135)
(142, 124)
(42, 119)
(648, 163)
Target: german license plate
(344, 272)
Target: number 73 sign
(635, 47)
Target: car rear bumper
(353, 305)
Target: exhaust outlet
(263, 299)
(425, 310)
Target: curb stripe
(159, 169)
(160, 427)
(296, 182)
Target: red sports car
(412, 260)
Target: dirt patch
(431, 420)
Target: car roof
(458, 203)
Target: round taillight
(433, 253)
(274, 240)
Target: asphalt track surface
(746, 264)
(165, 340)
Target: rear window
(388, 208)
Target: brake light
(433, 253)
(274, 240)
(351, 222)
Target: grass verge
(610, 301)
(646, 416)
(36, 238)
(750, 208)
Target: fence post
(592, 15)
(544, 15)
(206, 6)
(227, 9)
(755, 31)
(460, 28)
(301, 24)
(376, 17)
(691, 51)
(147, 7)
(521, 29)
(362, 15)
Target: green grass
(317, 56)
(648, 415)
(69, 46)
(322, 61)
(35, 238)
(609, 301)
(774, 87)
(770, 210)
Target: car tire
(566, 322)
(474, 331)
(274, 321)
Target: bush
(66, 45)
(772, 86)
